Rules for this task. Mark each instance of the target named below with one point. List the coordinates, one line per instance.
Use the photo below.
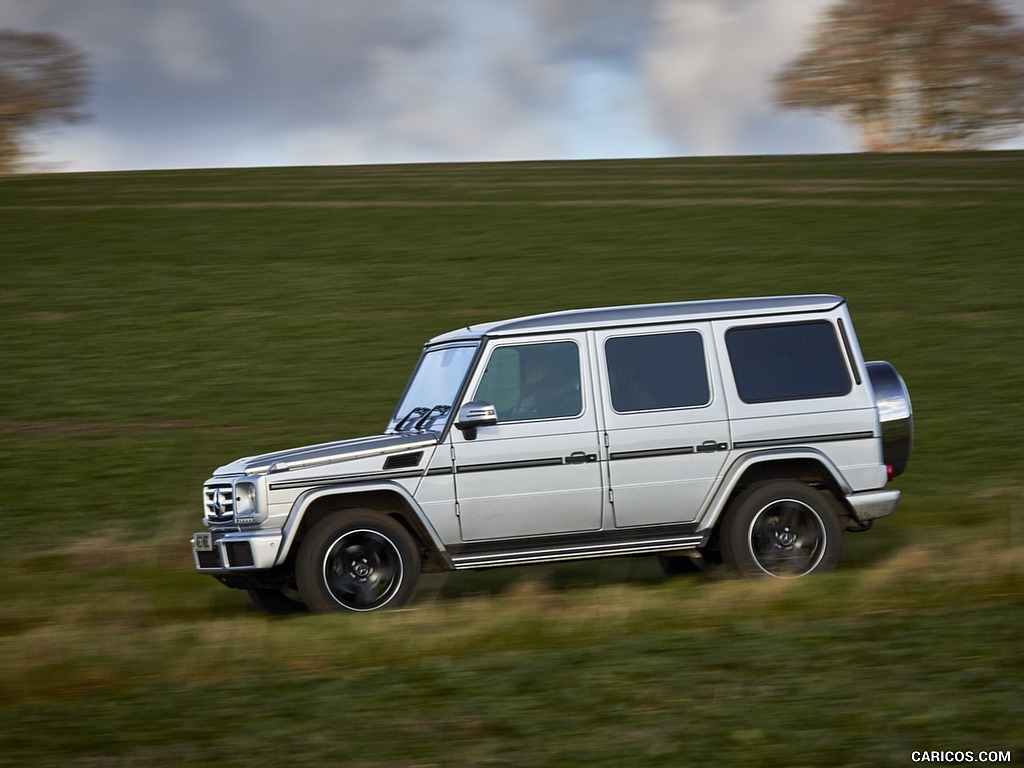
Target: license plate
(202, 542)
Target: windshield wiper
(411, 415)
(434, 413)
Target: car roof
(644, 314)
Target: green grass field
(158, 324)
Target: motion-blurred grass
(155, 325)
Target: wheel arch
(806, 465)
(389, 499)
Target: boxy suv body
(748, 432)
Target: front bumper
(221, 551)
(871, 505)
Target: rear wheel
(781, 528)
(357, 560)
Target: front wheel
(357, 560)
(781, 528)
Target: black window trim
(661, 331)
(849, 351)
(792, 398)
(487, 352)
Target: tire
(781, 528)
(276, 602)
(357, 560)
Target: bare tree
(914, 74)
(43, 80)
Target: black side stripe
(527, 464)
(344, 479)
(650, 454)
(804, 440)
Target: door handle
(579, 457)
(710, 446)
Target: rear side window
(657, 371)
(787, 362)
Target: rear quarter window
(792, 361)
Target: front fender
(306, 499)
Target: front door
(537, 471)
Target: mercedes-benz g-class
(743, 432)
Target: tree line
(913, 75)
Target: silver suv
(748, 432)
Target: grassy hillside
(155, 325)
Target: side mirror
(476, 414)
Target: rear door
(537, 471)
(666, 424)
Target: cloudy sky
(214, 83)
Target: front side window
(787, 362)
(533, 381)
(657, 371)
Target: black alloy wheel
(357, 560)
(781, 528)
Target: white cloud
(710, 68)
(249, 82)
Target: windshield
(435, 385)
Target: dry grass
(123, 638)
